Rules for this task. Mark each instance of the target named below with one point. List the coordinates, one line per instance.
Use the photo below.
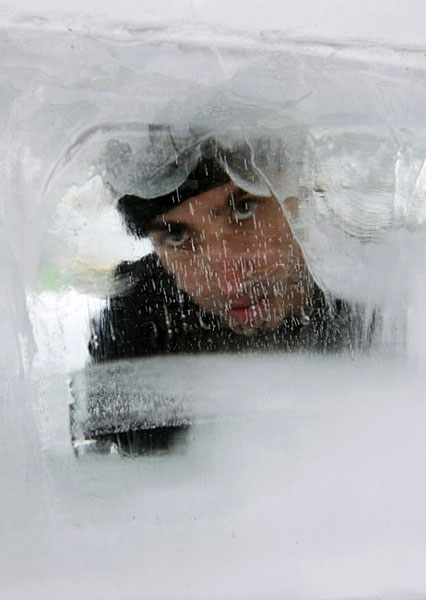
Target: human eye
(245, 208)
(175, 235)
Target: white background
(390, 20)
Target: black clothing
(152, 316)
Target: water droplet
(304, 319)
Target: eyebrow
(230, 199)
(165, 227)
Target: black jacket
(152, 316)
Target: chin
(246, 330)
(249, 329)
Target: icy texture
(348, 147)
(315, 491)
(311, 483)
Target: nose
(227, 263)
(229, 278)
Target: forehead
(202, 205)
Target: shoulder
(141, 276)
(148, 314)
(336, 325)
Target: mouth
(248, 313)
(253, 306)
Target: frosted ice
(301, 476)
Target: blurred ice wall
(53, 67)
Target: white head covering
(355, 183)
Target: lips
(242, 301)
(245, 311)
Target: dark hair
(138, 213)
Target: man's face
(234, 254)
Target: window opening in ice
(225, 273)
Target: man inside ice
(233, 253)
(226, 274)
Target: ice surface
(301, 476)
(333, 131)
(316, 491)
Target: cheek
(189, 274)
(174, 264)
(273, 247)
